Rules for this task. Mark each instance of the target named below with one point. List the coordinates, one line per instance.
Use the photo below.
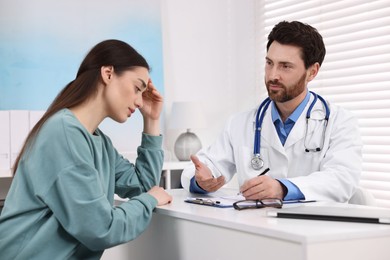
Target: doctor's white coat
(331, 174)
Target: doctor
(311, 148)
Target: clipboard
(218, 203)
(227, 201)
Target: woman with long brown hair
(61, 202)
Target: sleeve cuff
(194, 187)
(293, 192)
(151, 141)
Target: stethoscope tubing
(261, 113)
(259, 121)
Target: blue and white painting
(42, 43)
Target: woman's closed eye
(137, 89)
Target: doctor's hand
(204, 177)
(262, 187)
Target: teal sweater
(61, 202)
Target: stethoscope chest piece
(257, 163)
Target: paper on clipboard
(226, 201)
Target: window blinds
(355, 73)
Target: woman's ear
(107, 74)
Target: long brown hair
(114, 53)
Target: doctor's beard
(286, 93)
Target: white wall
(209, 57)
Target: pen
(262, 173)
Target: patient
(60, 204)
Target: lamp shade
(187, 115)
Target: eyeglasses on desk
(257, 204)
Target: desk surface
(255, 221)
(185, 231)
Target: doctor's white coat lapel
(315, 127)
(269, 135)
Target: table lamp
(187, 115)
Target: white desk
(183, 231)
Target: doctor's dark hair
(300, 35)
(114, 53)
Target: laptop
(5, 184)
(335, 213)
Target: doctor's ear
(107, 73)
(313, 71)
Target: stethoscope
(257, 161)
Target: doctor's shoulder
(343, 122)
(241, 119)
(340, 114)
